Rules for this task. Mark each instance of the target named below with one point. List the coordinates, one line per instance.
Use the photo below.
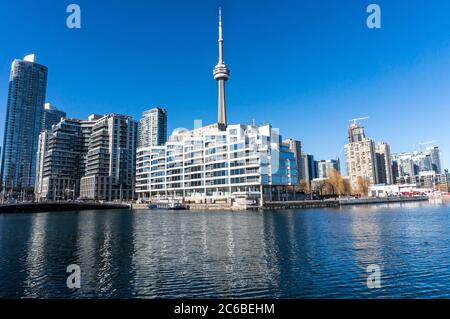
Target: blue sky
(305, 66)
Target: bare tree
(362, 186)
(336, 181)
(318, 187)
(303, 186)
(347, 187)
(442, 188)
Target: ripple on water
(293, 254)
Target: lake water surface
(316, 253)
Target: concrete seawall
(267, 206)
(56, 207)
(340, 202)
(299, 204)
(366, 201)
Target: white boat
(167, 206)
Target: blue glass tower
(26, 97)
(50, 116)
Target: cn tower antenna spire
(220, 24)
(221, 75)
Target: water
(318, 253)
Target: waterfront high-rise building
(428, 180)
(152, 129)
(411, 164)
(384, 163)
(40, 161)
(208, 164)
(61, 158)
(356, 133)
(360, 156)
(219, 163)
(296, 148)
(111, 159)
(395, 170)
(59, 161)
(324, 168)
(91, 159)
(50, 116)
(221, 75)
(309, 167)
(435, 155)
(405, 164)
(26, 97)
(422, 162)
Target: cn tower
(221, 74)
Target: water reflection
(205, 254)
(36, 257)
(289, 254)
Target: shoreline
(378, 200)
(307, 204)
(341, 202)
(56, 207)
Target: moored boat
(167, 206)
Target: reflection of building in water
(367, 236)
(198, 254)
(36, 258)
(86, 248)
(103, 250)
(151, 252)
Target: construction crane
(422, 144)
(428, 143)
(355, 121)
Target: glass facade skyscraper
(152, 129)
(26, 97)
(325, 167)
(413, 164)
(51, 116)
(435, 156)
(309, 167)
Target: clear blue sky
(305, 66)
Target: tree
(303, 186)
(362, 186)
(347, 187)
(442, 188)
(323, 187)
(336, 181)
(318, 187)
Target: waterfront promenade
(271, 205)
(381, 200)
(300, 204)
(340, 202)
(58, 207)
